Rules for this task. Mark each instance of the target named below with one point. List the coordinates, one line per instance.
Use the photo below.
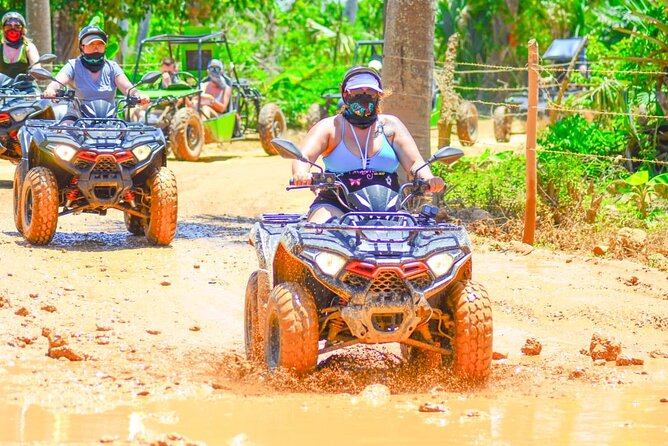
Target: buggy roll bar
(180, 39)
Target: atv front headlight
(142, 152)
(440, 263)
(65, 152)
(329, 263)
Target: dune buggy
(185, 127)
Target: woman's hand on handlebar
(141, 99)
(301, 179)
(49, 93)
(436, 184)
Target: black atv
(90, 164)
(20, 100)
(377, 274)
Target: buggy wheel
(271, 124)
(255, 306)
(467, 123)
(291, 329)
(186, 134)
(314, 114)
(502, 124)
(134, 224)
(18, 220)
(160, 226)
(39, 205)
(472, 338)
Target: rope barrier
(616, 159)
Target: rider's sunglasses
(10, 26)
(215, 69)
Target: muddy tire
(502, 124)
(39, 205)
(253, 333)
(291, 329)
(186, 134)
(160, 227)
(472, 338)
(16, 192)
(134, 224)
(467, 123)
(314, 114)
(271, 124)
(209, 137)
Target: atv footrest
(281, 219)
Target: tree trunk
(408, 63)
(67, 23)
(39, 24)
(142, 32)
(449, 97)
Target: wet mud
(107, 340)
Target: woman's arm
(408, 152)
(315, 143)
(64, 76)
(33, 54)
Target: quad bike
(377, 274)
(19, 101)
(187, 129)
(96, 163)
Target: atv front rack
(407, 223)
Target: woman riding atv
(361, 145)
(18, 52)
(91, 75)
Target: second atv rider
(360, 144)
(91, 74)
(18, 52)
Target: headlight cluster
(329, 263)
(441, 263)
(142, 152)
(64, 152)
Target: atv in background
(91, 164)
(560, 52)
(380, 273)
(370, 53)
(20, 100)
(187, 129)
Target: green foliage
(645, 194)
(490, 181)
(573, 136)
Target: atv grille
(81, 164)
(388, 286)
(421, 282)
(355, 281)
(106, 164)
(129, 163)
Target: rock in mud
(496, 356)
(604, 347)
(49, 308)
(624, 360)
(23, 311)
(629, 240)
(578, 373)
(600, 250)
(658, 354)
(4, 302)
(58, 347)
(532, 347)
(432, 407)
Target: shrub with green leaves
(491, 181)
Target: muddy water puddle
(622, 415)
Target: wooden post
(532, 118)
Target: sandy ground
(159, 332)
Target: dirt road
(159, 335)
